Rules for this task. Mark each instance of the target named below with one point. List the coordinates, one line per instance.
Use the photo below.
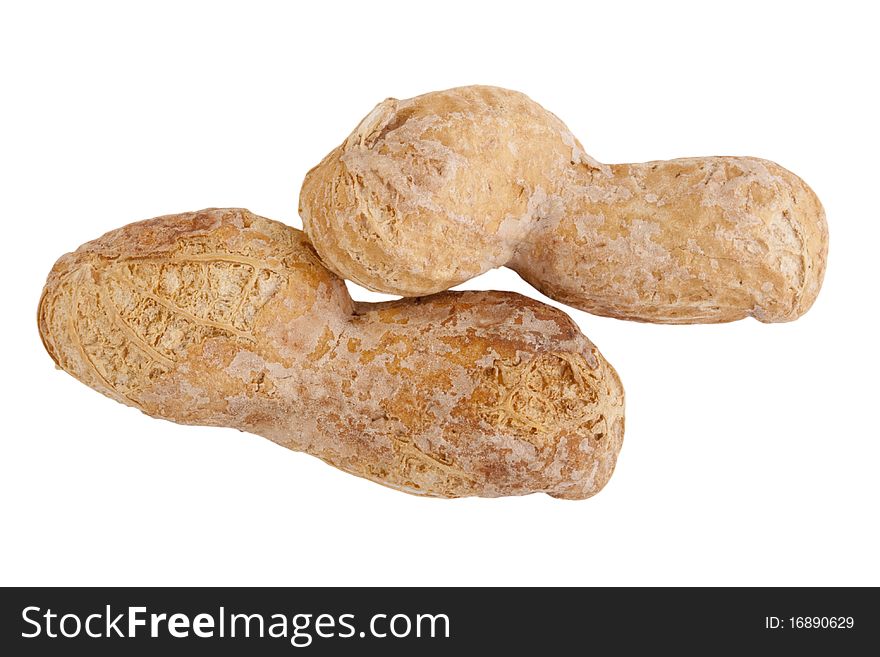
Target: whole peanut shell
(429, 192)
(224, 318)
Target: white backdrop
(751, 452)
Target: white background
(751, 453)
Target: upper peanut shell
(429, 192)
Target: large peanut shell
(224, 318)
